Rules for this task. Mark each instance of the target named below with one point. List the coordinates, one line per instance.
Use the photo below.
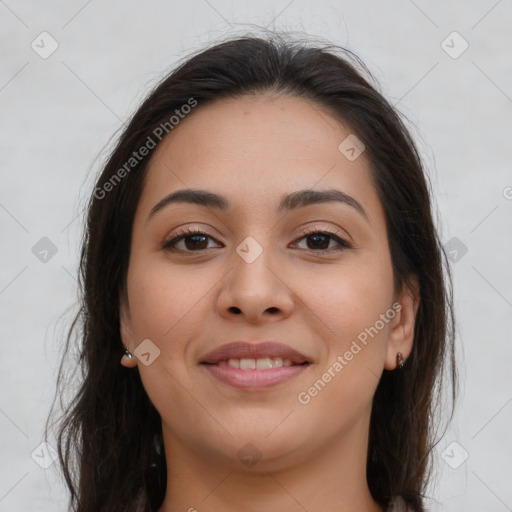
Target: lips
(254, 366)
(242, 350)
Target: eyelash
(188, 232)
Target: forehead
(254, 149)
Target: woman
(260, 254)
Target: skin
(253, 150)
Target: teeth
(267, 362)
(264, 363)
(247, 364)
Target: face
(315, 276)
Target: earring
(400, 361)
(127, 354)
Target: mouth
(254, 366)
(264, 363)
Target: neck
(332, 479)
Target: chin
(263, 449)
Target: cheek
(167, 306)
(356, 342)
(166, 299)
(351, 299)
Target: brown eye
(319, 241)
(193, 241)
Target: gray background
(59, 112)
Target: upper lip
(247, 350)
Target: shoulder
(397, 504)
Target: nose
(256, 291)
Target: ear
(125, 327)
(401, 335)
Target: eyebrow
(289, 202)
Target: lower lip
(254, 379)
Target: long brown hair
(109, 436)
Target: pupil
(321, 246)
(196, 244)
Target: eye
(321, 240)
(193, 239)
(196, 240)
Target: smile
(254, 374)
(264, 363)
